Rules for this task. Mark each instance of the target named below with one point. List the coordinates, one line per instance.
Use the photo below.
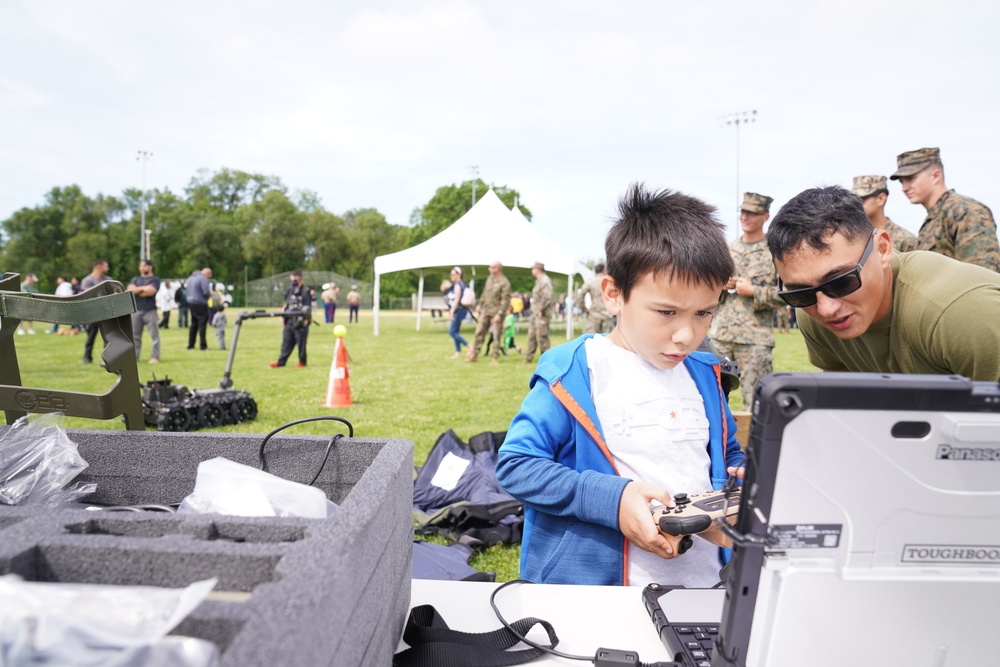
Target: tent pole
(420, 298)
(569, 306)
(375, 307)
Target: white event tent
(487, 233)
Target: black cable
(602, 656)
(746, 540)
(329, 446)
(541, 647)
(742, 539)
(155, 507)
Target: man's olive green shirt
(944, 319)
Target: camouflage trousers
(599, 324)
(754, 361)
(782, 319)
(485, 326)
(538, 337)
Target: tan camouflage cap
(913, 162)
(755, 203)
(866, 186)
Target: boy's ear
(612, 295)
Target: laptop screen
(871, 518)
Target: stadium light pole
(738, 118)
(143, 157)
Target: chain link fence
(270, 292)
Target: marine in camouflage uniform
(782, 320)
(492, 308)
(955, 226)
(873, 193)
(743, 327)
(541, 313)
(598, 319)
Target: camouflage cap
(755, 203)
(913, 162)
(866, 186)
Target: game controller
(695, 513)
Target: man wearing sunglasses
(866, 309)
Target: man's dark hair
(296, 273)
(147, 262)
(813, 216)
(666, 232)
(598, 268)
(99, 262)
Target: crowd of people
(200, 303)
(497, 312)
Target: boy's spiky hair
(667, 233)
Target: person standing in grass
(298, 306)
(457, 311)
(743, 329)
(145, 286)
(97, 276)
(492, 306)
(64, 288)
(29, 286)
(614, 423)
(198, 292)
(180, 298)
(510, 330)
(165, 301)
(541, 312)
(219, 322)
(598, 320)
(329, 297)
(353, 304)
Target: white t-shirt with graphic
(655, 426)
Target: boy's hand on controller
(637, 524)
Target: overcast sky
(379, 103)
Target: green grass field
(403, 382)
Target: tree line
(239, 223)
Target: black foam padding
(321, 592)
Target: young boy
(614, 422)
(510, 330)
(219, 322)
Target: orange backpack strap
(575, 409)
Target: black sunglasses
(835, 288)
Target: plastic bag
(226, 487)
(37, 459)
(96, 625)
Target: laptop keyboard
(691, 644)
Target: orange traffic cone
(338, 390)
